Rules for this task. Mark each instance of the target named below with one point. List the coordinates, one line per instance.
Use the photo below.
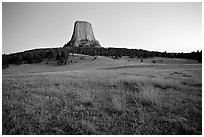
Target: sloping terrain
(103, 96)
(75, 62)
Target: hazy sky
(171, 27)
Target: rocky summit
(83, 35)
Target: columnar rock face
(83, 35)
(82, 30)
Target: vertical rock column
(83, 35)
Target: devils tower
(83, 35)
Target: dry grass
(142, 100)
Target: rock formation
(83, 35)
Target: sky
(155, 26)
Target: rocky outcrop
(83, 35)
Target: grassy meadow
(103, 96)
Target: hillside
(60, 55)
(84, 62)
(103, 96)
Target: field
(103, 96)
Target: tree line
(35, 56)
(62, 54)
